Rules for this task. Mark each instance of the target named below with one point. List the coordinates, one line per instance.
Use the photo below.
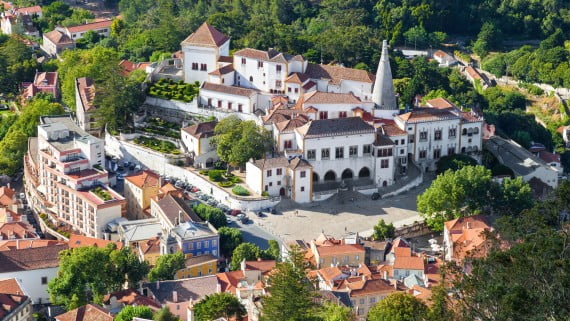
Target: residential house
(127, 67)
(195, 266)
(77, 240)
(101, 27)
(328, 251)
(149, 250)
(552, 159)
(8, 199)
(55, 42)
(17, 231)
(16, 304)
(139, 189)
(88, 312)
(465, 237)
(116, 301)
(64, 178)
(444, 59)
(33, 268)
(46, 82)
(85, 109)
(375, 251)
(192, 238)
(196, 140)
(178, 295)
(406, 263)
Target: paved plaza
(342, 213)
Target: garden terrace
(159, 145)
(169, 89)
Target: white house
(325, 105)
(85, 107)
(444, 59)
(201, 52)
(228, 98)
(101, 27)
(33, 268)
(196, 139)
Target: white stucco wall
(31, 282)
(199, 55)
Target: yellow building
(149, 250)
(198, 266)
(139, 188)
(328, 251)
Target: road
(252, 233)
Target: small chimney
(385, 275)
(158, 285)
(363, 277)
(218, 288)
(395, 285)
(242, 265)
(175, 296)
(468, 225)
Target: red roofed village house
(465, 237)
(55, 42)
(196, 139)
(15, 305)
(85, 106)
(89, 312)
(46, 82)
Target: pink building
(43, 82)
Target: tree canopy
(398, 306)
(230, 238)
(166, 267)
(244, 251)
(383, 231)
(99, 270)
(219, 305)
(130, 311)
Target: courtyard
(343, 213)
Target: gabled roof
(222, 71)
(50, 78)
(90, 26)
(382, 140)
(269, 55)
(89, 312)
(337, 74)
(207, 36)
(260, 265)
(335, 127)
(131, 297)
(57, 37)
(231, 90)
(186, 289)
(440, 103)
(28, 244)
(150, 246)
(172, 205)
(320, 97)
(339, 249)
(466, 222)
(428, 114)
(31, 258)
(409, 263)
(10, 302)
(7, 196)
(290, 124)
(201, 130)
(297, 78)
(276, 162)
(11, 286)
(86, 89)
(128, 66)
(17, 230)
(144, 179)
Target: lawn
(159, 145)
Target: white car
(22, 196)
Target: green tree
(455, 194)
(292, 294)
(130, 311)
(128, 266)
(398, 306)
(489, 38)
(230, 238)
(512, 196)
(219, 305)
(86, 274)
(383, 231)
(166, 267)
(211, 214)
(164, 314)
(238, 141)
(244, 251)
(335, 312)
(272, 252)
(90, 38)
(454, 162)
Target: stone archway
(364, 173)
(347, 174)
(330, 176)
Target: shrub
(215, 175)
(240, 190)
(265, 194)
(203, 172)
(226, 184)
(235, 179)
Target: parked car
(126, 163)
(120, 177)
(22, 196)
(271, 210)
(235, 212)
(195, 189)
(259, 214)
(132, 167)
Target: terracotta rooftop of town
(409, 263)
(76, 240)
(9, 303)
(389, 127)
(89, 312)
(196, 260)
(222, 71)
(290, 124)
(466, 222)
(128, 66)
(90, 26)
(473, 73)
(29, 10)
(7, 196)
(335, 127)
(11, 286)
(17, 230)
(440, 103)
(186, 289)
(131, 297)
(172, 205)
(336, 74)
(260, 265)
(45, 78)
(230, 90)
(269, 55)
(150, 246)
(86, 89)
(297, 78)
(440, 54)
(206, 35)
(144, 179)
(28, 244)
(202, 130)
(320, 97)
(58, 37)
(339, 249)
(427, 114)
(31, 258)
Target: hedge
(240, 190)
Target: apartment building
(70, 185)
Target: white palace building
(330, 123)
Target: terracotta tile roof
(297, 78)
(26, 244)
(281, 113)
(340, 249)
(229, 280)
(206, 35)
(227, 59)
(58, 38)
(421, 293)
(222, 71)
(311, 109)
(86, 89)
(17, 230)
(299, 163)
(337, 74)
(10, 302)
(382, 140)
(186, 289)
(439, 54)
(270, 55)
(470, 117)
(171, 205)
(89, 312)
(467, 222)
(473, 73)
(128, 66)
(320, 97)
(402, 251)
(11, 286)
(389, 269)
(201, 130)
(150, 246)
(7, 196)
(90, 26)
(290, 124)
(260, 265)
(50, 79)
(409, 263)
(329, 274)
(427, 114)
(335, 127)
(131, 297)
(370, 287)
(268, 163)
(549, 157)
(441, 103)
(310, 84)
(76, 240)
(168, 188)
(230, 90)
(31, 258)
(29, 10)
(390, 128)
(144, 179)
(376, 245)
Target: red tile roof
(90, 26)
(549, 157)
(7, 196)
(441, 103)
(9, 303)
(206, 35)
(131, 297)
(50, 79)
(30, 258)
(222, 71)
(89, 312)
(29, 10)
(231, 90)
(201, 130)
(57, 37)
(76, 240)
(144, 179)
(17, 230)
(337, 74)
(150, 246)
(26, 244)
(128, 66)
(319, 97)
(409, 263)
(260, 265)
(86, 88)
(11, 286)
(340, 249)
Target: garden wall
(192, 108)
